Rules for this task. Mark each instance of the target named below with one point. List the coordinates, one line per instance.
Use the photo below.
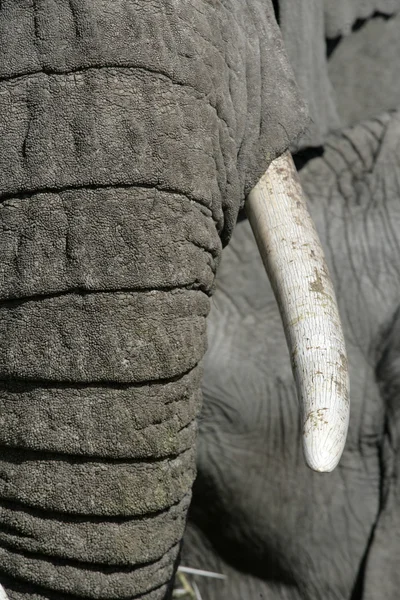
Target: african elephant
(131, 133)
(276, 529)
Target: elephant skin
(344, 54)
(130, 134)
(276, 529)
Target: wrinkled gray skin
(278, 530)
(130, 133)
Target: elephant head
(131, 134)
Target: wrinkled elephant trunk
(106, 267)
(100, 388)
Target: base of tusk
(3, 595)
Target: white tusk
(295, 264)
(3, 595)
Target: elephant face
(276, 529)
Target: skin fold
(276, 529)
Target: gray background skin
(361, 79)
(278, 530)
(130, 133)
(364, 70)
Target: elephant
(276, 529)
(132, 133)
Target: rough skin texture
(130, 133)
(278, 530)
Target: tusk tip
(322, 459)
(324, 439)
(323, 462)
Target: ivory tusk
(296, 267)
(3, 595)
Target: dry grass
(185, 586)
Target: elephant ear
(269, 107)
(303, 30)
(276, 111)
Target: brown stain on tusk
(315, 419)
(317, 285)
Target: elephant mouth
(294, 261)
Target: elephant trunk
(295, 263)
(108, 250)
(102, 329)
